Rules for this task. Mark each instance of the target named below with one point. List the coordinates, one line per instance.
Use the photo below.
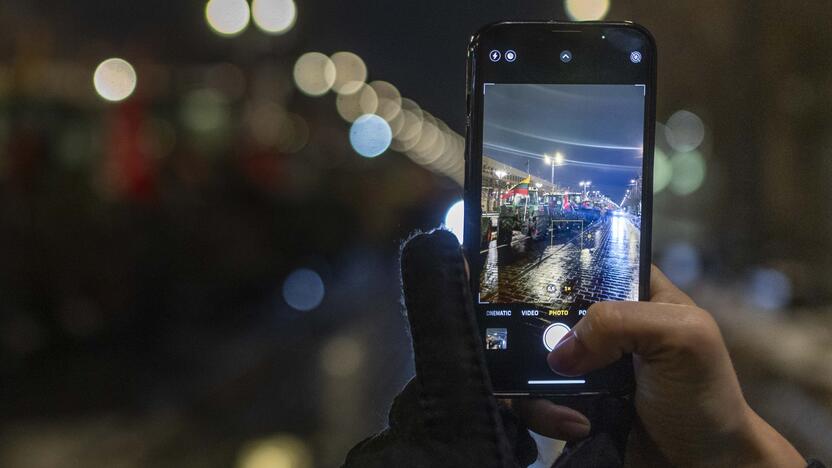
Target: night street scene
(201, 229)
(561, 196)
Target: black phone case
(473, 184)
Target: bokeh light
(350, 72)
(455, 219)
(397, 123)
(432, 143)
(389, 99)
(427, 137)
(688, 172)
(281, 451)
(314, 73)
(227, 17)
(768, 289)
(299, 134)
(114, 79)
(205, 110)
(353, 106)
(370, 135)
(662, 171)
(684, 131)
(274, 16)
(342, 356)
(587, 10)
(682, 263)
(408, 132)
(303, 289)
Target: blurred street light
(274, 16)
(689, 171)
(370, 135)
(314, 73)
(282, 451)
(114, 79)
(353, 106)
(350, 72)
(227, 17)
(684, 131)
(662, 171)
(303, 289)
(455, 219)
(587, 10)
(389, 99)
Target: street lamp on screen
(553, 161)
(500, 174)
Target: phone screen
(561, 199)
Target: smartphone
(558, 190)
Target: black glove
(447, 415)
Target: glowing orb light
(280, 451)
(227, 17)
(350, 72)
(768, 289)
(684, 131)
(114, 79)
(370, 135)
(688, 173)
(274, 16)
(314, 73)
(587, 10)
(662, 171)
(303, 289)
(455, 219)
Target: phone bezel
(473, 175)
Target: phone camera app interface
(561, 207)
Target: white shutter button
(553, 334)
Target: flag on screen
(521, 188)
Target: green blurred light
(662, 171)
(205, 110)
(688, 172)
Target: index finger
(455, 394)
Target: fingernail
(563, 358)
(574, 430)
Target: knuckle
(604, 319)
(698, 332)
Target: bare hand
(689, 403)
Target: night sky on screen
(597, 128)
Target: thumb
(663, 290)
(612, 329)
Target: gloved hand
(447, 415)
(691, 410)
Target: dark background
(143, 320)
